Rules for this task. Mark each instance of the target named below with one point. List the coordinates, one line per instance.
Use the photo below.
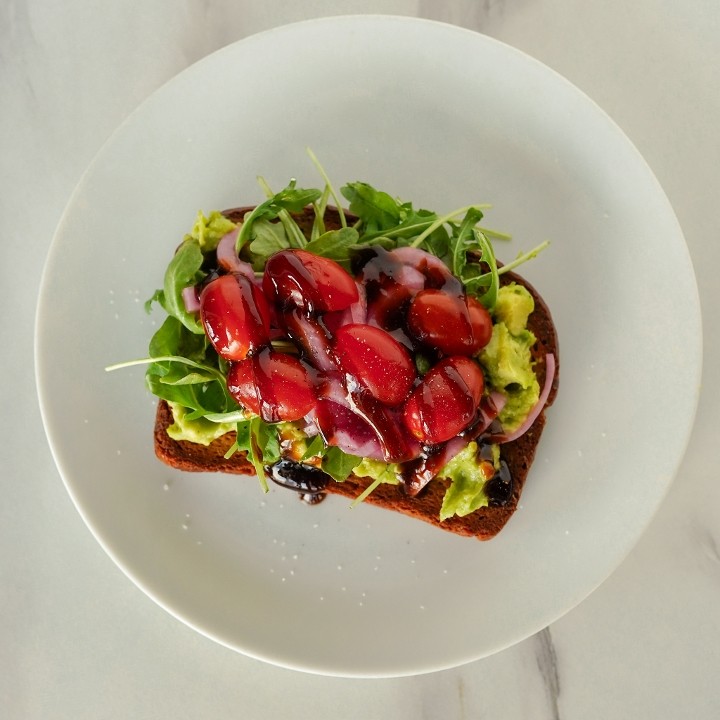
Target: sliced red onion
(436, 273)
(331, 387)
(228, 259)
(410, 277)
(191, 299)
(312, 338)
(499, 399)
(387, 424)
(454, 447)
(343, 428)
(488, 411)
(355, 313)
(539, 405)
(358, 310)
(418, 258)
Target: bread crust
(483, 524)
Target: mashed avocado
(377, 470)
(208, 231)
(506, 358)
(200, 430)
(467, 471)
(467, 490)
(513, 307)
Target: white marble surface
(78, 640)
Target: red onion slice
(343, 428)
(355, 313)
(308, 333)
(191, 299)
(419, 259)
(431, 267)
(530, 419)
(454, 446)
(228, 259)
(499, 400)
(411, 278)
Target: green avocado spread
(377, 470)
(199, 430)
(468, 474)
(208, 231)
(506, 358)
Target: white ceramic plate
(443, 117)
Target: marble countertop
(78, 640)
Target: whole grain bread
(483, 524)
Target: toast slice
(482, 524)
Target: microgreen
(290, 199)
(328, 186)
(339, 464)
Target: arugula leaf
(205, 398)
(173, 338)
(294, 199)
(264, 448)
(461, 241)
(328, 187)
(183, 369)
(261, 443)
(489, 297)
(268, 440)
(189, 379)
(268, 238)
(291, 199)
(523, 257)
(236, 416)
(183, 271)
(157, 297)
(339, 464)
(335, 244)
(314, 448)
(242, 439)
(378, 210)
(320, 207)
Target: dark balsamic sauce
(308, 481)
(499, 489)
(417, 473)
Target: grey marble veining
(548, 667)
(80, 641)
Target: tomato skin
(453, 324)
(317, 284)
(480, 323)
(376, 360)
(241, 384)
(274, 385)
(446, 401)
(235, 316)
(471, 375)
